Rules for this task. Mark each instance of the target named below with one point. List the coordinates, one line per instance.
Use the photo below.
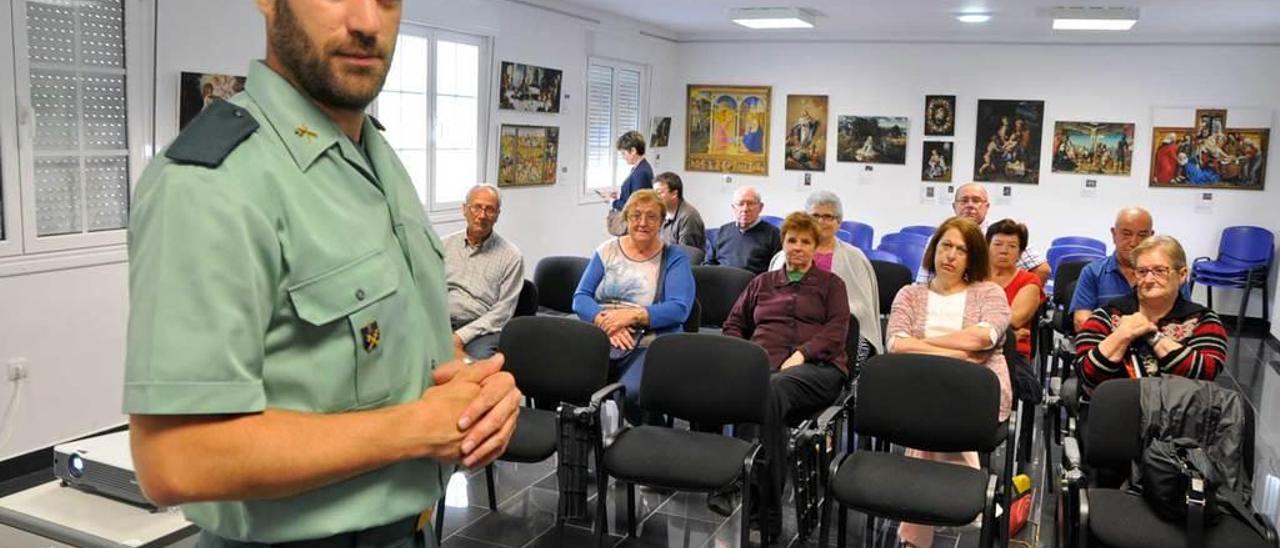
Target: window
(431, 106)
(615, 105)
(73, 81)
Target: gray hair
(1168, 244)
(824, 197)
(485, 186)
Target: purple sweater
(811, 315)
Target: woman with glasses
(846, 261)
(957, 314)
(634, 289)
(1155, 330)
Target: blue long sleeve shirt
(666, 315)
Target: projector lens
(75, 465)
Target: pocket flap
(344, 290)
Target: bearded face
(344, 68)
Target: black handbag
(1181, 483)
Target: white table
(83, 519)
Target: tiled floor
(526, 494)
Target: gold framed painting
(727, 129)
(1207, 157)
(527, 155)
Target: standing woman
(958, 314)
(631, 145)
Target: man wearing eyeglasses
(746, 242)
(971, 201)
(484, 273)
(1107, 279)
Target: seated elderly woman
(800, 316)
(1006, 240)
(958, 314)
(1153, 331)
(847, 262)
(636, 288)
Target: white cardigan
(854, 269)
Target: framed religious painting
(806, 133)
(940, 115)
(727, 129)
(1008, 141)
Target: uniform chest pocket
(355, 301)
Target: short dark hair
(1009, 227)
(630, 140)
(801, 222)
(673, 182)
(977, 262)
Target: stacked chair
(1244, 260)
(861, 234)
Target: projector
(102, 465)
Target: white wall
(1085, 83)
(70, 324)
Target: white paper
(1004, 196)
(929, 193)
(1204, 203)
(1089, 188)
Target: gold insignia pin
(305, 132)
(372, 336)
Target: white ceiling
(1161, 21)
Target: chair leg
(602, 508)
(1208, 296)
(1244, 307)
(744, 513)
(488, 479)
(824, 521)
(440, 518)
(631, 510)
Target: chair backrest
(863, 233)
(694, 320)
(923, 230)
(705, 379)
(1055, 254)
(928, 402)
(1247, 244)
(851, 340)
(844, 236)
(772, 219)
(557, 278)
(718, 288)
(1113, 433)
(694, 254)
(912, 255)
(527, 302)
(1083, 241)
(890, 278)
(881, 255)
(1064, 279)
(905, 237)
(555, 359)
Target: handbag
(616, 223)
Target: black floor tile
(518, 521)
(671, 531)
(464, 542)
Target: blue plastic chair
(912, 255)
(771, 219)
(904, 237)
(863, 234)
(1244, 259)
(882, 255)
(844, 236)
(923, 230)
(1056, 253)
(1083, 241)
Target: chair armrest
(828, 416)
(600, 395)
(1070, 453)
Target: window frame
(139, 76)
(586, 192)
(10, 185)
(446, 211)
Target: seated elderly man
(746, 242)
(973, 203)
(484, 273)
(1154, 330)
(1111, 278)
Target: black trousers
(795, 394)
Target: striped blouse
(1196, 328)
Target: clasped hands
(617, 323)
(1135, 326)
(470, 412)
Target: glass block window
(76, 73)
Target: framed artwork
(940, 115)
(1008, 141)
(1210, 121)
(936, 161)
(873, 139)
(1230, 159)
(529, 88)
(1092, 148)
(661, 132)
(527, 155)
(198, 90)
(727, 129)
(806, 133)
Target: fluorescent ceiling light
(772, 18)
(1094, 18)
(974, 17)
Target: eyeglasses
(477, 209)
(647, 217)
(823, 217)
(1159, 271)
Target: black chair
(704, 379)
(1095, 512)
(890, 278)
(527, 303)
(718, 288)
(553, 360)
(1057, 332)
(557, 278)
(957, 410)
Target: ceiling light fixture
(1090, 18)
(772, 18)
(974, 17)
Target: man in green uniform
(290, 375)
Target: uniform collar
(305, 130)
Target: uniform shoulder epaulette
(376, 124)
(212, 135)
